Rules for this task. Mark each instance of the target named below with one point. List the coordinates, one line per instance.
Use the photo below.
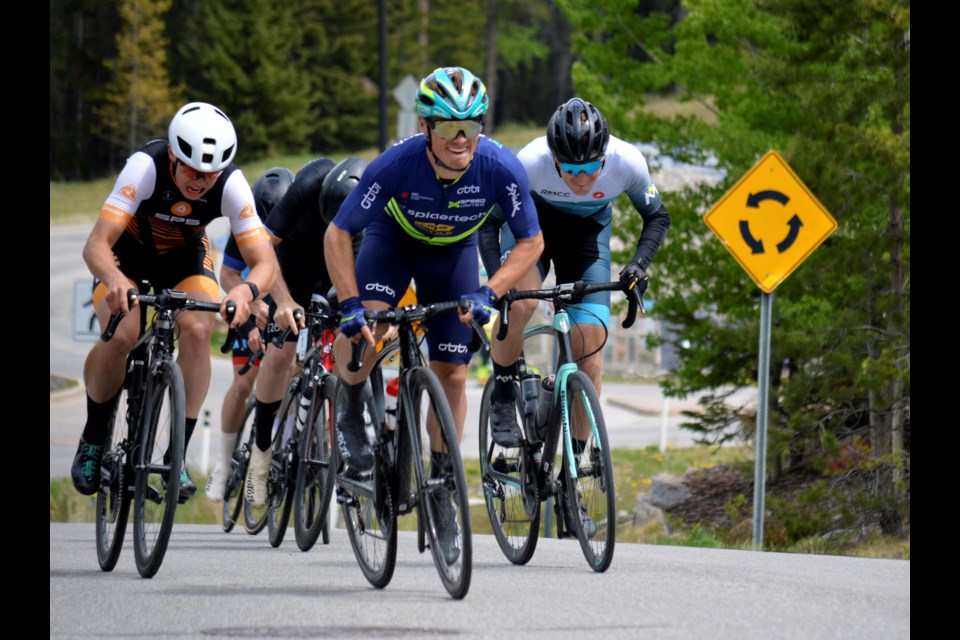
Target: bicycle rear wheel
(314, 480)
(233, 493)
(158, 469)
(370, 516)
(442, 490)
(113, 498)
(590, 491)
(516, 525)
(283, 470)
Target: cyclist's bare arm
(98, 254)
(521, 259)
(338, 252)
(262, 260)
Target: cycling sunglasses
(450, 129)
(576, 169)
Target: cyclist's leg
(231, 421)
(272, 382)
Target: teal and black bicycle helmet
(452, 93)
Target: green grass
(634, 470)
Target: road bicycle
(550, 462)
(143, 453)
(402, 455)
(303, 435)
(233, 501)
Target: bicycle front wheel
(233, 493)
(441, 480)
(369, 512)
(516, 526)
(283, 470)
(113, 498)
(159, 463)
(591, 504)
(314, 481)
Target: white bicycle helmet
(203, 137)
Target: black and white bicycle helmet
(202, 137)
(577, 132)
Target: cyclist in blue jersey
(296, 225)
(267, 191)
(419, 205)
(576, 172)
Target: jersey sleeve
(231, 255)
(370, 197)
(238, 207)
(516, 203)
(302, 196)
(135, 184)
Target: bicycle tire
(233, 492)
(283, 468)
(515, 529)
(449, 489)
(372, 531)
(113, 498)
(592, 490)
(161, 454)
(314, 486)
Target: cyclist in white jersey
(576, 172)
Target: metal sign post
(770, 222)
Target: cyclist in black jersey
(296, 225)
(268, 189)
(152, 229)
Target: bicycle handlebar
(408, 315)
(277, 340)
(175, 300)
(572, 293)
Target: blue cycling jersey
(400, 189)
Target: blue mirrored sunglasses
(450, 129)
(576, 169)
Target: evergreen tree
(137, 103)
(828, 86)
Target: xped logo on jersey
(463, 204)
(450, 347)
(370, 195)
(650, 193)
(129, 192)
(381, 288)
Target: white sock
(227, 443)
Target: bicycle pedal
(154, 496)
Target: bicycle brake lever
(114, 322)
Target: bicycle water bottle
(530, 385)
(546, 405)
(390, 403)
(303, 410)
(303, 342)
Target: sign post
(770, 222)
(406, 94)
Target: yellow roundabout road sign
(770, 221)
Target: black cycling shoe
(187, 487)
(355, 451)
(504, 429)
(85, 470)
(448, 529)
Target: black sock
(98, 420)
(578, 446)
(503, 377)
(353, 399)
(190, 424)
(265, 413)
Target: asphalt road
(217, 585)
